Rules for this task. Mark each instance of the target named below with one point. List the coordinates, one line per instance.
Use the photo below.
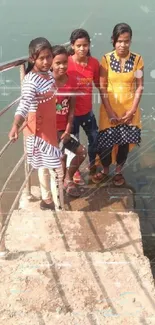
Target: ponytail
(29, 67)
(89, 53)
(69, 49)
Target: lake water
(20, 22)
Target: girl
(121, 84)
(37, 105)
(65, 104)
(85, 69)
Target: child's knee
(64, 158)
(81, 152)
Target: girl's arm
(68, 130)
(28, 93)
(104, 95)
(138, 94)
(70, 115)
(101, 82)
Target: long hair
(35, 47)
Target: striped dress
(40, 153)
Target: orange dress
(121, 91)
(37, 106)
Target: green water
(20, 22)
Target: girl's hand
(114, 119)
(13, 134)
(127, 118)
(65, 137)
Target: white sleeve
(27, 96)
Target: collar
(118, 58)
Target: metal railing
(26, 184)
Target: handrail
(5, 225)
(5, 109)
(10, 141)
(5, 147)
(19, 163)
(26, 184)
(12, 64)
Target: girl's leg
(76, 130)
(81, 154)
(76, 126)
(61, 147)
(63, 161)
(106, 159)
(56, 176)
(122, 155)
(88, 123)
(44, 180)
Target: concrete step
(74, 231)
(76, 288)
(93, 318)
(93, 198)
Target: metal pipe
(5, 225)
(5, 147)
(12, 64)
(3, 250)
(11, 141)
(27, 167)
(11, 174)
(5, 109)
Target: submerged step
(74, 231)
(72, 288)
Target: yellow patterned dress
(121, 91)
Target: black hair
(59, 49)
(35, 47)
(76, 34)
(118, 30)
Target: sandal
(77, 179)
(99, 177)
(46, 206)
(118, 180)
(92, 169)
(71, 189)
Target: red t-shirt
(62, 102)
(85, 76)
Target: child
(37, 106)
(85, 69)
(65, 105)
(121, 88)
